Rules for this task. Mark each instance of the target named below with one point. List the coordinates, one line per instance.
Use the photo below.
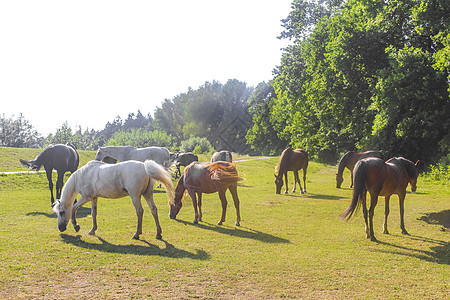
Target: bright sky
(86, 62)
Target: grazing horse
(112, 154)
(349, 160)
(98, 179)
(291, 160)
(381, 178)
(223, 155)
(184, 159)
(207, 178)
(60, 157)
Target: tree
(18, 133)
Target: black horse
(60, 157)
(184, 159)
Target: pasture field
(288, 246)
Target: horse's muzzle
(62, 228)
(172, 215)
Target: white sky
(86, 62)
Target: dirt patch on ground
(441, 218)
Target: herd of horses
(118, 171)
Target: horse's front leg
(199, 204)
(139, 212)
(79, 203)
(154, 210)
(295, 182)
(94, 216)
(233, 191)
(223, 200)
(386, 214)
(401, 199)
(304, 180)
(193, 195)
(351, 178)
(286, 180)
(365, 213)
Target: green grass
(288, 246)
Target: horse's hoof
(237, 224)
(405, 232)
(219, 223)
(91, 232)
(135, 237)
(385, 231)
(373, 238)
(195, 222)
(77, 228)
(159, 237)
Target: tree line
(357, 75)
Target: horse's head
(177, 203)
(63, 215)
(339, 180)
(413, 178)
(278, 183)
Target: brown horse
(349, 160)
(207, 178)
(381, 178)
(291, 160)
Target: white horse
(112, 154)
(98, 179)
(223, 155)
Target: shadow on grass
(313, 196)
(439, 254)
(441, 218)
(82, 212)
(147, 249)
(242, 232)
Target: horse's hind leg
(373, 203)
(148, 196)
(386, 214)
(233, 191)
(304, 179)
(365, 213)
(50, 183)
(59, 184)
(199, 204)
(223, 200)
(94, 216)
(139, 212)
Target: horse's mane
(223, 171)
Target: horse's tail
(359, 178)
(36, 163)
(160, 174)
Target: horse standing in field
(223, 155)
(60, 157)
(207, 178)
(381, 178)
(291, 160)
(349, 160)
(184, 159)
(112, 154)
(98, 179)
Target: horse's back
(295, 160)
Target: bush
(197, 144)
(140, 138)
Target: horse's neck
(69, 191)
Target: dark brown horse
(291, 160)
(60, 157)
(208, 178)
(183, 160)
(381, 178)
(349, 160)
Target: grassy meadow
(288, 246)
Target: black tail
(360, 173)
(35, 164)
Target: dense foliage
(363, 74)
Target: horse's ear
(418, 163)
(275, 175)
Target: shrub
(197, 144)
